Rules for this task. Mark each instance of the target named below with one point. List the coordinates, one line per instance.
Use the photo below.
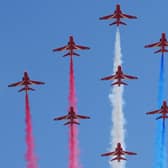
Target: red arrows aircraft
(163, 110)
(119, 75)
(118, 15)
(25, 82)
(163, 43)
(118, 152)
(71, 46)
(71, 116)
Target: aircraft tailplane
(73, 122)
(161, 117)
(119, 83)
(26, 89)
(117, 23)
(71, 54)
(118, 158)
(165, 50)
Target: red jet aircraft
(71, 46)
(163, 110)
(119, 75)
(118, 152)
(163, 43)
(71, 116)
(25, 82)
(118, 15)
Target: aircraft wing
(16, 84)
(61, 48)
(128, 16)
(61, 118)
(153, 45)
(129, 153)
(130, 77)
(109, 77)
(83, 117)
(36, 82)
(154, 112)
(82, 47)
(108, 17)
(108, 154)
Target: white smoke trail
(116, 99)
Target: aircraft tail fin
(119, 83)
(118, 23)
(26, 89)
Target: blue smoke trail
(160, 136)
(164, 144)
(161, 94)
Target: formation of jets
(119, 75)
(118, 152)
(25, 82)
(163, 43)
(118, 15)
(71, 46)
(72, 117)
(163, 111)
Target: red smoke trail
(30, 155)
(74, 151)
(72, 94)
(73, 131)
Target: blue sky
(30, 30)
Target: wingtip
(53, 50)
